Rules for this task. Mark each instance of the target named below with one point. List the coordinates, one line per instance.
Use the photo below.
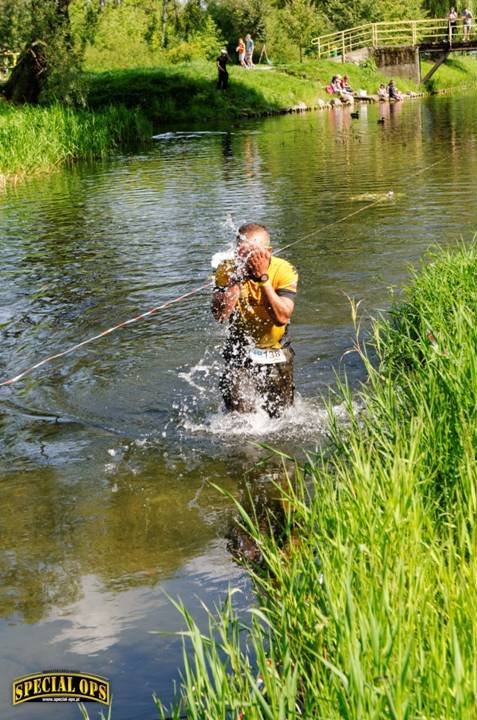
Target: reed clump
(369, 608)
(36, 139)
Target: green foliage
(128, 35)
(36, 139)
(14, 22)
(367, 608)
(343, 14)
(455, 73)
(301, 21)
(204, 43)
(236, 18)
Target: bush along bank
(367, 607)
(36, 139)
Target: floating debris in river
(377, 197)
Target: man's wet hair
(248, 228)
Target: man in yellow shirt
(255, 293)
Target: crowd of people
(341, 87)
(453, 18)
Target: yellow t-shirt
(252, 317)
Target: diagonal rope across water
(179, 298)
(104, 333)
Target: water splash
(306, 420)
(221, 256)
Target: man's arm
(280, 308)
(224, 301)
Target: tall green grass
(368, 608)
(34, 139)
(459, 72)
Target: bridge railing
(386, 34)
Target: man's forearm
(281, 308)
(224, 302)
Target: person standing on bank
(222, 76)
(249, 46)
(255, 293)
(240, 49)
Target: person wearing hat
(223, 76)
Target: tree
(14, 18)
(301, 20)
(235, 18)
(48, 59)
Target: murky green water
(106, 456)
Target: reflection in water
(109, 457)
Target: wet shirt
(251, 317)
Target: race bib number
(267, 357)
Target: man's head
(253, 234)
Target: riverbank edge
(364, 599)
(37, 140)
(144, 99)
(174, 97)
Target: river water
(108, 455)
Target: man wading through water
(256, 292)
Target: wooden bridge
(432, 35)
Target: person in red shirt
(240, 49)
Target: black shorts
(246, 385)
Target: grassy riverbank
(36, 139)
(179, 93)
(368, 600)
(187, 93)
(124, 105)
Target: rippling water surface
(108, 455)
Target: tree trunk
(164, 23)
(51, 22)
(28, 76)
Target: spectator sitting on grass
(345, 86)
(335, 84)
(394, 93)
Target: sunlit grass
(188, 92)
(35, 139)
(458, 72)
(368, 609)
